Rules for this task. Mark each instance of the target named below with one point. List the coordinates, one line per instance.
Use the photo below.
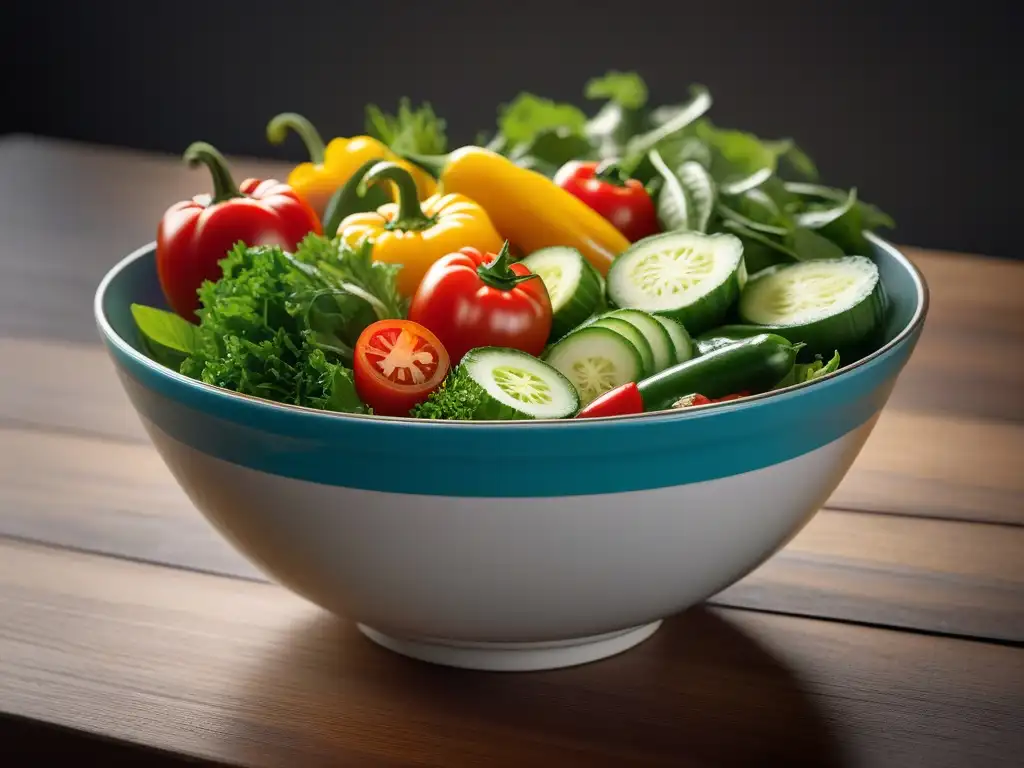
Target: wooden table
(888, 633)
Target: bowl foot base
(514, 657)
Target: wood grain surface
(885, 634)
(247, 673)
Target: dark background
(917, 104)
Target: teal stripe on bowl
(508, 459)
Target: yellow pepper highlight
(330, 166)
(527, 208)
(416, 236)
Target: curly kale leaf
(253, 339)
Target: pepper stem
(277, 131)
(224, 187)
(353, 198)
(611, 172)
(410, 214)
(432, 164)
(499, 275)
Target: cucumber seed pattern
(522, 385)
(674, 271)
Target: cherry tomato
(397, 364)
(606, 189)
(471, 299)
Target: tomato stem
(410, 215)
(277, 130)
(610, 172)
(499, 275)
(224, 187)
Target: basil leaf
(759, 250)
(167, 337)
(554, 146)
(700, 191)
(816, 218)
(731, 214)
(700, 102)
(740, 161)
(529, 115)
(808, 245)
(612, 127)
(672, 204)
(627, 89)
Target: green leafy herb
(740, 161)
(344, 267)
(804, 372)
(254, 337)
(809, 245)
(672, 203)
(627, 89)
(528, 115)
(167, 338)
(415, 131)
(457, 399)
(700, 102)
(551, 148)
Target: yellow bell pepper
(331, 166)
(527, 208)
(416, 236)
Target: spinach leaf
(529, 115)
(167, 338)
(553, 147)
(612, 127)
(700, 191)
(809, 245)
(672, 203)
(729, 213)
(795, 158)
(803, 372)
(700, 102)
(759, 250)
(817, 217)
(740, 161)
(627, 89)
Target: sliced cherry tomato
(397, 364)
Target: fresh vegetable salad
(566, 265)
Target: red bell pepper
(194, 235)
(622, 201)
(471, 299)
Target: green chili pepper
(753, 364)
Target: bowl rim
(112, 337)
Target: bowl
(508, 546)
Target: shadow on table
(698, 693)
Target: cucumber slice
(632, 335)
(827, 304)
(681, 340)
(595, 359)
(519, 386)
(574, 286)
(657, 336)
(688, 276)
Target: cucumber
(688, 276)
(662, 348)
(575, 288)
(595, 359)
(681, 340)
(519, 386)
(632, 335)
(827, 304)
(724, 335)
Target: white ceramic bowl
(508, 546)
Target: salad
(566, 265)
